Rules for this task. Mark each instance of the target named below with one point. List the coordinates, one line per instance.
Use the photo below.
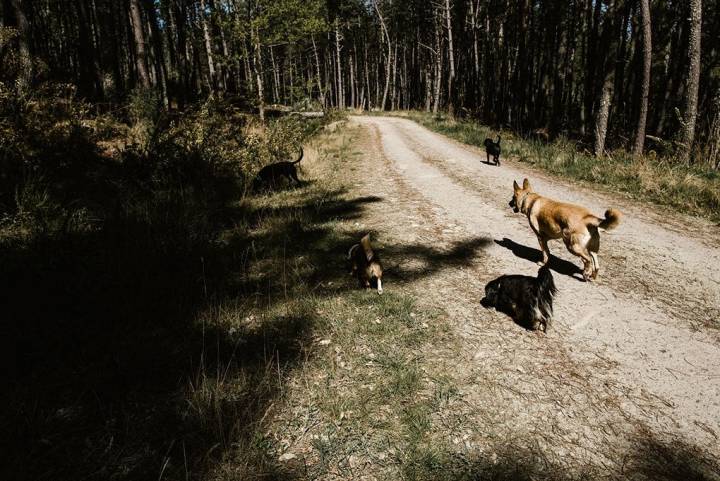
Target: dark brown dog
(271, 175)
(366, 264)
(575, 225)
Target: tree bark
(317, 72)
(451, 58)
(606, 93)
(438, 69)
(257, 67)
(208, 46)
(388, 60)
(645, 89)
(141, 60)
(687, 134)
(714, 135)
(338, 61)
(23, 28)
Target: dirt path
(642, 341)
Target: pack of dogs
(527, 300)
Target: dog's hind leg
(596, 264)
(593, 246)
(294, 176)
(577, 247)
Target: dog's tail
(367, 247)
(546, 292)
(302, 153)
(352, 250)
(498, 140)
(611, 220)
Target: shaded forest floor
(649, 178)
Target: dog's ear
(526, 185)
(516, 187)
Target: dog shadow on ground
(561, 266)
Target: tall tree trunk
(208, 46)
(714, 135)
(352, 82)
(476, 55)
(317, 72)
(645, 89)
(23, 28)
(451, 58)
(388, 60)
(687, 134)
(159, 53)
(90, 73)
(591, 60)
(276, 77)
(438, 69)
(606, 94)
(340, 88)
(141, 60)
(257, 67)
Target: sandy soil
(636, 351)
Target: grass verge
(690, 190)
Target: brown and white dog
(575, 225)
(366, 264)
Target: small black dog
(492, 148)
(528, 300)
(271, 175)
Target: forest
(615, 74)
(163, 318)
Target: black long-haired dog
(492, 148)
(528, 300)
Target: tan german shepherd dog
(575, 225)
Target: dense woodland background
(581, 68)
(148, 324)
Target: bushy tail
(367, 247)
(546, 283)
(302, 153)
(546, 292)
(612, 219)
(498, 140)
